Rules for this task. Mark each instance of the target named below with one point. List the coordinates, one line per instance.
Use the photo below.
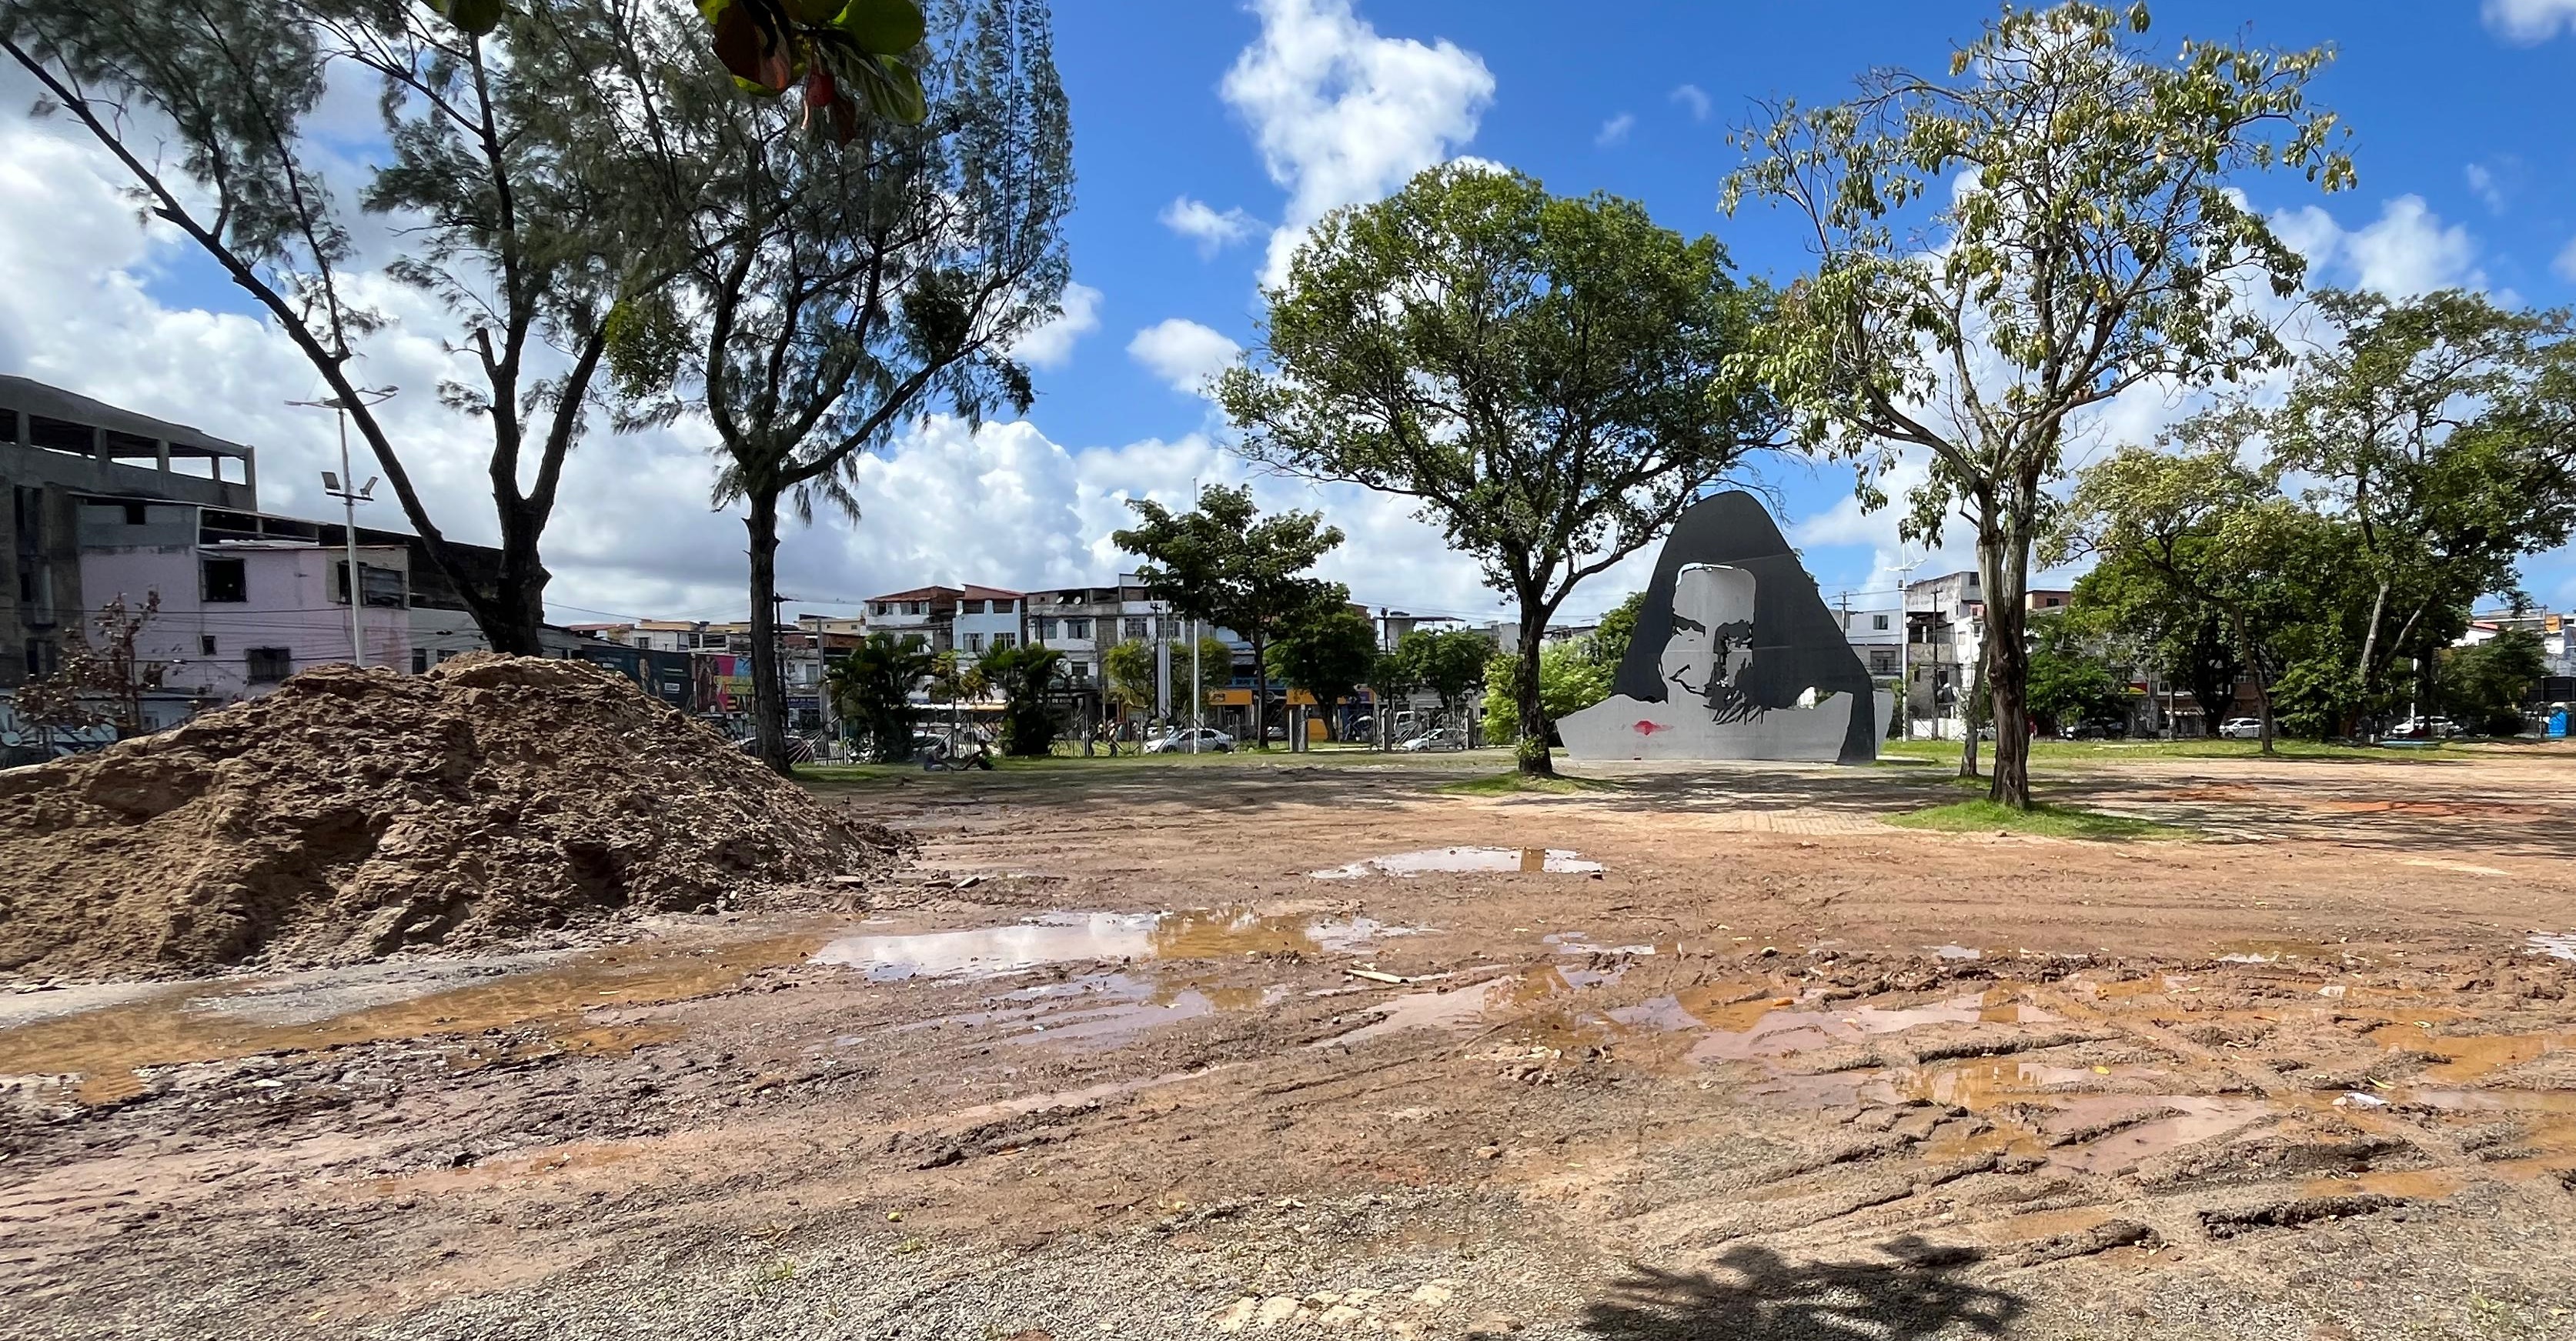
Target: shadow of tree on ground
(1758, 1295)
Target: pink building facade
(238, 616)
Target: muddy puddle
(1098, 1010)
(1084, 938)
(545, 1008)
(1467, 861)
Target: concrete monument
(1736, 656)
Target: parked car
(2424, 728)
(1441, 739)
(1210, 741)
(2094, 728)
(2241, 728)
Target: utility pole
(1905, 643)
(1198, 696)
(344, 487)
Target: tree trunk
(1532, 754)
(1260, 691)
(1969, 726)
(2370, 637)
(2263, 703)
(2003, 552)
(768, 701)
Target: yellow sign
(1242, 698)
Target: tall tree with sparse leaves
(518, 224)
(2048, 225)
(840, 289)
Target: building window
(1882, 661)
(268, 665)
(1003, 642)
(1077, 628)
(1136, 630)
(970, 607)
(1878, 621)
(42, 658)
(223, 582)
(134, 514)
(419, 660)
(916, 607)
(1081, 672)
(205, 644)
(381, 586)
(975, 642)
(1045, 631)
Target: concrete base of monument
(1625, 728)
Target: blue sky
(1202, 128)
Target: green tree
(838, 292)
(1128, 669)
(1542, 375)
(1999, 249)
(953, 680)
(1393, 677)
(2427, 428)
(1450, 663)
(1227, 564)
(1025, 676)
(2069, 683)
(872, 688)
(512, 218)
(1570, 679)
(2485, 686)
(2181, 641)
(1328, 652)
(1609, 645)
(2196, 532)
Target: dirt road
(1178, 1051)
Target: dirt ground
(1111, 1059)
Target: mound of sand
(353, 813)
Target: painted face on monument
(1712, 637)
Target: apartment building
(57, 449)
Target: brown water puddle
(1779, 1029)
(1082, 938)
(1100, 1010)
(2467, 1057)
(1467, 861)
(109, 1046)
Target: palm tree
(872, 689)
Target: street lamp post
(1904, 644)
(344, 486)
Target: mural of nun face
(1736, 656)
(1712, 639)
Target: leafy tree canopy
(1543, 375)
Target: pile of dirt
(353, 813)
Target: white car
(1442, 739)
(2241, 728)
(1210, 741)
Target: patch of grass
(1514, 783)
(2113, 751)
(2046, 821)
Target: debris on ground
(353, 813)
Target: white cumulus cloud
(2565, 265)
(1200, 222)
(2406, 251)
(1183, 353)
(1342, 115)
(1615, 129)
(1050, 345)
(2530, 22)
(1693, 99)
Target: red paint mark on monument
(1650, 728)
